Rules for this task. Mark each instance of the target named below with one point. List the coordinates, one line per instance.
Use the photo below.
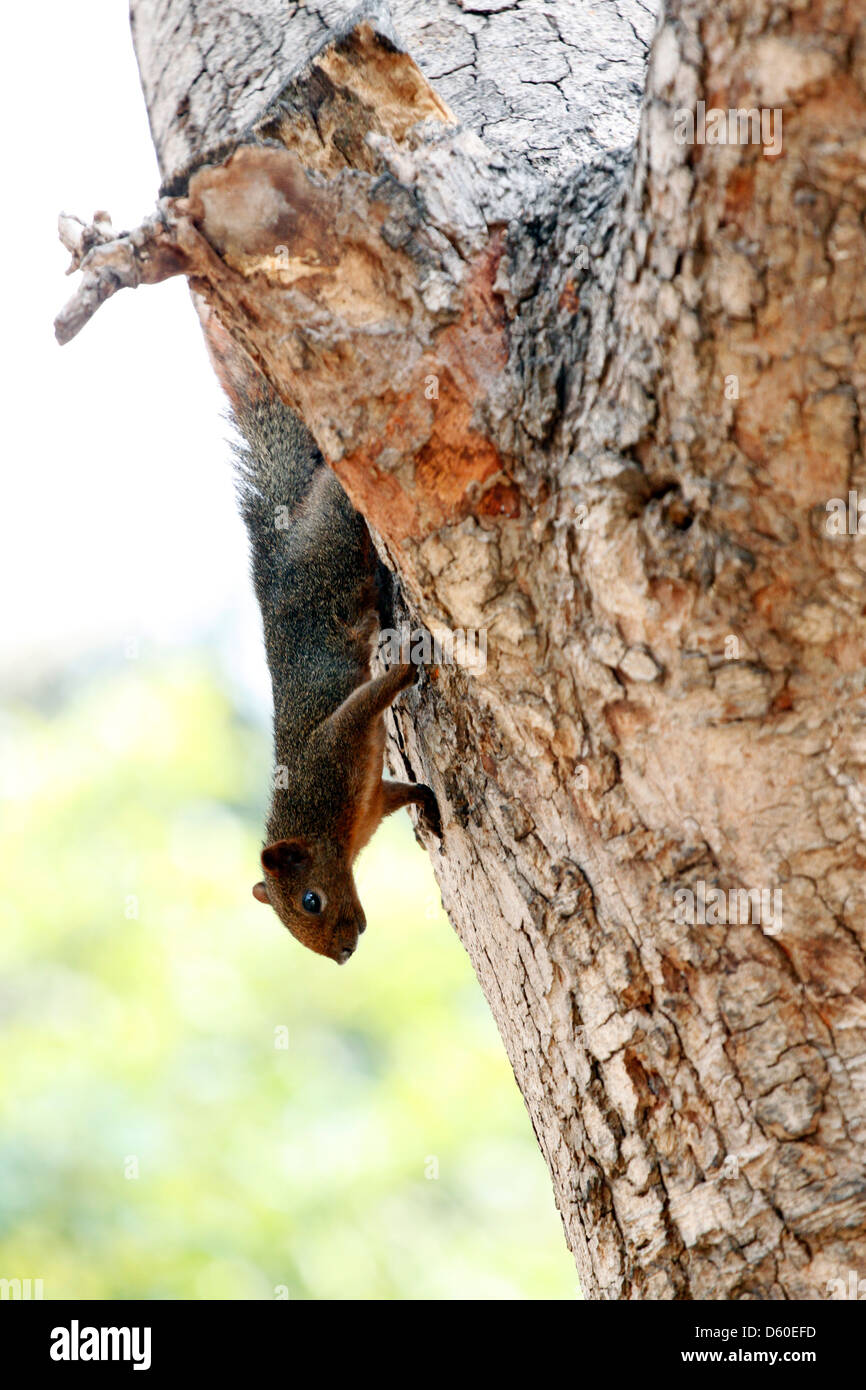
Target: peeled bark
(594, 399)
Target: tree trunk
(595, 391)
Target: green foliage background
(146, 1002)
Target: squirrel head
(312, 891)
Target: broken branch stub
(350, 244)
(109, 262)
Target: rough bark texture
(593, 400)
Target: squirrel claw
(429, 815)
(407, 673)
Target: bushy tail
(312, 556)
(277, 460)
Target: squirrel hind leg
(397, 794)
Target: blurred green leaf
(158, 1139)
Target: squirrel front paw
(405, 673)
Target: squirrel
(321, 588)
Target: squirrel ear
(283, 857)
(260, 893)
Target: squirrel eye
(312, 903)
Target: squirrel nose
(346, 952)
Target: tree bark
(594, 390)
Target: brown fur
(318, 585)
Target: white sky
(117, 512)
